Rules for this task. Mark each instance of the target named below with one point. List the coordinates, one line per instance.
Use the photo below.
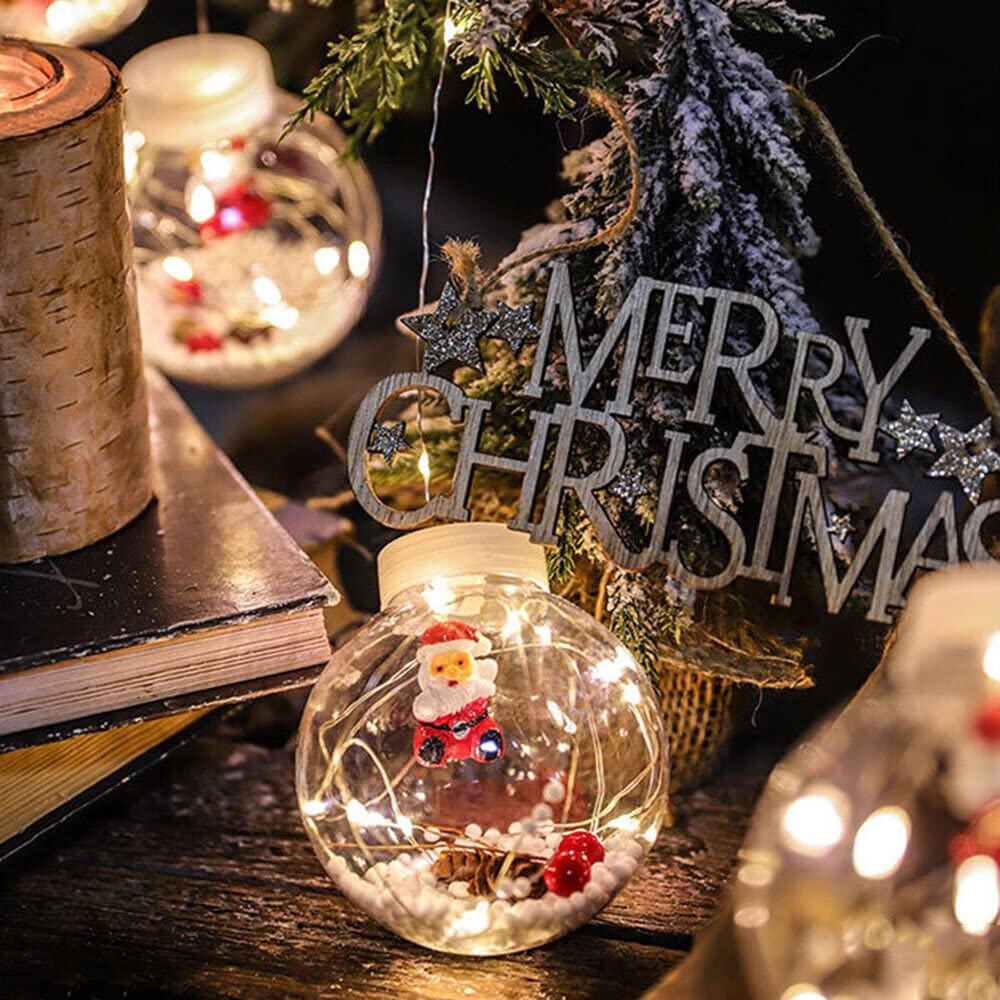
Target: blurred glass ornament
(255, 257)
(482, 767)
(67, 22)
(870, 869)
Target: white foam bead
(338, 864)
(459, 889)
(553, 840)
(597, 868)
(634, 849)
(474, 831)
(515, 828)
(623, 867)
(541, 813)
(606, 880)
(594, 893)
(432, 836)
(562, 907)
(506, 842)
(428, 878)
(376, 874)
(579, 902)
(492, 835)
(528, 911)
(522, 888)
(396, 869)
(554, 791)
(410, 885)
(528, 826)
(546, 827)
(504, 887)
(532, 845)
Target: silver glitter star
(968, 457)
(514, 326)
(841, 526)
(629, 486)
(451, 332)
(912, 430)
(387, 439)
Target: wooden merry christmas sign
(641, 344)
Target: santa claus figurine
(452, 709)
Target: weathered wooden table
(197, 880)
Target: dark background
(916, 108)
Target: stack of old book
(113, 655)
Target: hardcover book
(202, 599)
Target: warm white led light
(326, 259)
(451, 29)
(803, 991)
(513, 624)
(977, 894)
(991, 658)
(631, 694)
(424, 465)
(359, 259)
(266, 290)
(881, 842)
(438, 596)
(814, 822)
(178, 268)
(61, 17)
(201, 203)
(281, 315)
(215, 166)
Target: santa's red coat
(469, 732)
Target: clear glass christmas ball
(871, 867)
(483, 766)
(255, 254)
(67, 22)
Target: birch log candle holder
(74, 439)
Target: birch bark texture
(74, 435)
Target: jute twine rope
(606, 103)
(810, 109)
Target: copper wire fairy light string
(423, 462)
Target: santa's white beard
(439, 699)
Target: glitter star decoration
(514, 326)
(968, 457)
(628, 486)
(841, 526)
(387, 439)
(912, 430)
(451, 332)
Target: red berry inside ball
(987, 722)
(204, 340)
(567, 872)
(962, 847)
(585, 843)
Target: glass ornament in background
(67, 22)
(870, 871)
(254, 257)
(482, 767)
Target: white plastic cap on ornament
(196, 90)
(948, 653)
(458, 550)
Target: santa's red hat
(448, 637)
